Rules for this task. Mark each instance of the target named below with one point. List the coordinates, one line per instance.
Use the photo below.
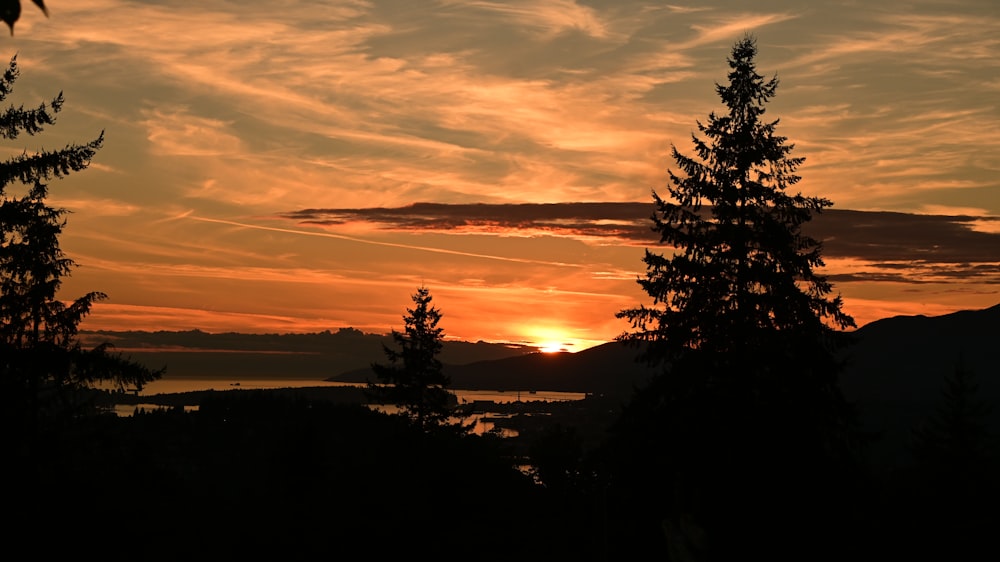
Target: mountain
(610, 368)
(607, 369)
(896, 372)
(197, 354)
(905, 357)
(898, 359)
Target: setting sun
(272, 201)
(552, 339)
(552, 347)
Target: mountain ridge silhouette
(894, 373)
(235, 355)
(896, 370)
(908, 354)
(609, 368)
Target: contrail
(376, 243)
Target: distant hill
(895, 371)
(188, 354)
(609, 368)
(903, 358)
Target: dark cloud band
(874, 236)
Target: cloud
(578, 220)
(866, 235)
(906, 237)
(176, 132)
(96, 207)
(463, 101)
(117, 317)
(550, 17)
(728, 28)
(226, 111)
(382, 243)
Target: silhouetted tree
(556, 455)
(42, 363)
(10, 11)
(955, 445)
(742, 325)
(414, 379)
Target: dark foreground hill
(261, 476)
(896, 372)
(256, 474)
(907, 356)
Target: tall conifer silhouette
(955, 444)
(42, 363)
(744, 329)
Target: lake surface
(179, 385)
(482, 422)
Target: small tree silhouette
(414, 379)
(42, 364)
(955, 445)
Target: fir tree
(741, 324)
(955, 445)
(42, 364)
(742, 269)
(414, 378)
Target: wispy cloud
(217, 113)
(549, 17)
(176, 132)
(381, 243)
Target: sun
(552, 347)
(549, 339)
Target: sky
(297, 166)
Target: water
(179, 385)
(182, 384)
(482, 423)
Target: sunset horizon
(580, 280)
(853, 262)
(307, 170)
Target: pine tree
(738, 308)
(948, 498)
(414, 379)
(42, 363)
(742, 268)
(742, 325)
(955, 444)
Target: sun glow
(550, 339)
(552, 347)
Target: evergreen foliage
(254, 474)
(42, 362)
(743, 328)
(742, 270)
(955, 445)
(414, 378)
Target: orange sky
(224, 120)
